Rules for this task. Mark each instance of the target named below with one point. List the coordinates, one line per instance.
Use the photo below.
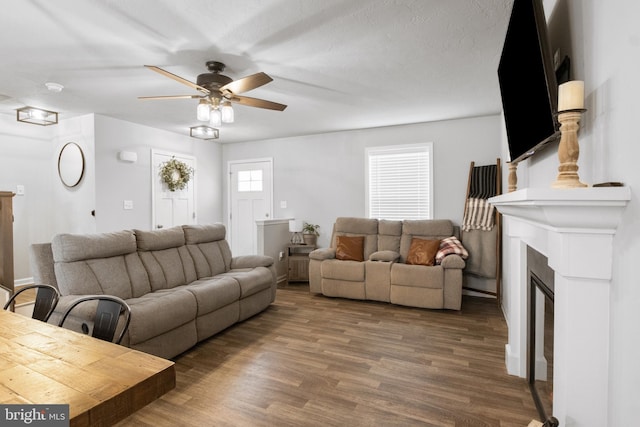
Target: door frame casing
(229, 189)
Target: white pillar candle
(571, 95)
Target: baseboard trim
(512, 361)
(23, 282)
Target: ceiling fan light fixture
(203, 112)
(227, 112)
(204, 132)
(36, 116)
(216, 117)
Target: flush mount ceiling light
(36, 116)
(204, 132)
(54, 87)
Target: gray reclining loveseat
(383, 273)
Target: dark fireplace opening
(540, 334)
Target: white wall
(118, 181)
(25, 159)
(29, 157)
(73, 206)
(603, 41)
(322, 176)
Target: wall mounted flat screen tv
(527, 81)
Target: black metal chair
(46, 300)
(105, 318)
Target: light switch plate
(127, 204)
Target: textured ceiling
(337, 64)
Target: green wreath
(175, 174)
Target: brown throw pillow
(350, 248)
(422, 251)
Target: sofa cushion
(366, 227)
(431, 229)
(208, 248)
(204, 233)
(209, 258)
(423, 251)
(214, 293)
(352, 271)
(350, 248)
(168, 268)
(251, 280)
(114, 276)
(159, 239)
(420, 276)
(104, 263)
(389, 233)
(75, 247)
(158, 312)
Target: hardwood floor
(315, 361)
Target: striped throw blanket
(478, 215)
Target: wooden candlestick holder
(569, 150)
(513, 177)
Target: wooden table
(102, 382)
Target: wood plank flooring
(315, 361)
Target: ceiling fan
(218, 91)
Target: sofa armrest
(323, 253)
(251, 261)
(386, 256)
(453, 261)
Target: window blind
(399, 182)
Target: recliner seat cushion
(418, 276)
(352, 271)
(251, 280)
(158, 312)
(215, 292)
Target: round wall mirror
(71, 164)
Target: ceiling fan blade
(177, 78)
(245, 84)
(255, 102)
(171, 97)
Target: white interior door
(250, 197)
(171, 208)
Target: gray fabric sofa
(182, 283)
(384, 275)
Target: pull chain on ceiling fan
(218, 91)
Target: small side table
(298, 262)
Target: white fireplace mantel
(571, 209)
(574, 229)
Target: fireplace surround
(574, 229)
